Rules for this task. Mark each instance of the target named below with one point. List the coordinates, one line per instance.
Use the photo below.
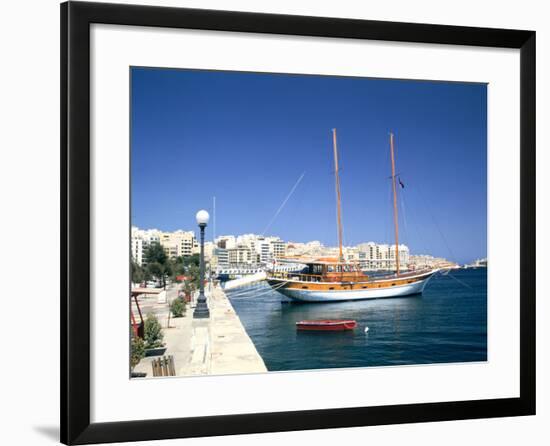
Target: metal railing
(284, 275)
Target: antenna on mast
(338, 196)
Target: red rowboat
(327, 325)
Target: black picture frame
(76, 18)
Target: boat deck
(343, 277)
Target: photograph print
(295, 222)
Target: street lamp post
(201, 310)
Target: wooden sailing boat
(334, 279)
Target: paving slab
(218, 345)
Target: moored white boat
(335, 279)
(313, 290)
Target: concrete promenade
(215, 346)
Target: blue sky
(246, 138)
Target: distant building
(241, 255)
(478, 263)
(209, 249)
(140, 240)
(245, 250)
(220, 258)
(175, 244)
(179, 243)
(374, 256)
(226, 241)
(351, 254)
(279, 248)
(251, 249)
(137, 250)
(427, 261)
(313, 248)
(370, 256)
(262, 250)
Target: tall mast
(395, 219)
(338, 196)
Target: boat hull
(344, 325)
(293, 290)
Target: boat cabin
(331, 270)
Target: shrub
(177, 307)
(153, 332)
(137, 350)
(188, 287)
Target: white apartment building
(241, 255)
(373, 256)
(175, 244)
(278, 248)
(351, 254)
(226, 241)
(140, 240)
(262, 248)
(248, 239)
(220, 258)
(251, 249)
(147, 235)
(137, 250)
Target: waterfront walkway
(215, 346)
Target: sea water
(446, 324)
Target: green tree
(155, 269)
(193, 259)
(193, 273)
(181, 264)
(177, 307)
(161, 272)
(137, 350)
(154, 253)
(177, 266)
(153, 332)
(158, 263)
(138, 273)
(188, 287)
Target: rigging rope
(251, 293)
(453, 257)
(459, 281)
(253, 286)
(283, 204)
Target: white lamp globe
(202, 217)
